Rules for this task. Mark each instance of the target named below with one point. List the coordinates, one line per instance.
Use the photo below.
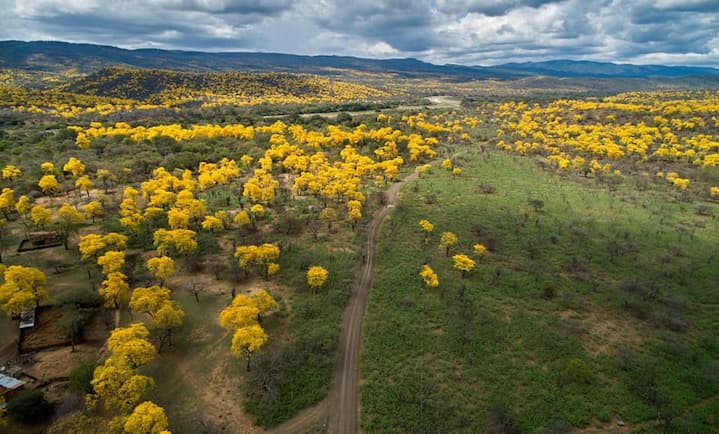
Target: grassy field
(592, 307)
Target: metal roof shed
(9, 384)
(27, 319)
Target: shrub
(29, 407)
(548, 290)
(502, 420)
(81, 376)
(576, 371)
(676, 324)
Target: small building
(27, 319)
(9, 386)
(44, 238)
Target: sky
(469, 32)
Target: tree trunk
(248, 363)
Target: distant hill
(572, 68)
(87, 58)
(158, 85)
(52, 56)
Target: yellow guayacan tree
(212, 223)
(114, 289)
(91, 245)
(316, 277)
(111, 262)
(429, 276)
(48, 184)
(463, 263)
(167, 318)
(181, 241)
(241, 218)
(82, 141)
(162, 267)
(241, 317)
(264, 302)
(92, 210)
(354, 212)
(7, 201)
(74, 166)
(23, 288)
(263, 255)
(118, 385)
(427, 227)
(328, 215)
(242, 312)
(164, 314)
(147, 418)
(23, 206)
(84, 183)
(11, 173)
(247, 341)
(448, 240)
(178, 218)
(40, 216)
(47, 167)
(131, 345)
(480, 249)
(68, 219)
(115, 241)
(116, 382)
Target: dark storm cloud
(244, 7)
(441, 31)
(406, 25)
(492, 8)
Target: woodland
(220, 251)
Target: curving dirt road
(339, 411)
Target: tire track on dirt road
(344, 396)
(341, 406)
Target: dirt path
(437, 101)
(212, 390)
(344, 396)
(340, 408)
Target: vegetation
(29, 407)
(552, 256)
(593, 308)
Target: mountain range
(54, 56)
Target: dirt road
(340, 409)
(438, 101)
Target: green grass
(633, 300)
(185, 372)
(298, 371)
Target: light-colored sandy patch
(605, 332)
(53, 363)
(605, 427)
(219, 392)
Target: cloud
(442, 31)
(492, 8)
